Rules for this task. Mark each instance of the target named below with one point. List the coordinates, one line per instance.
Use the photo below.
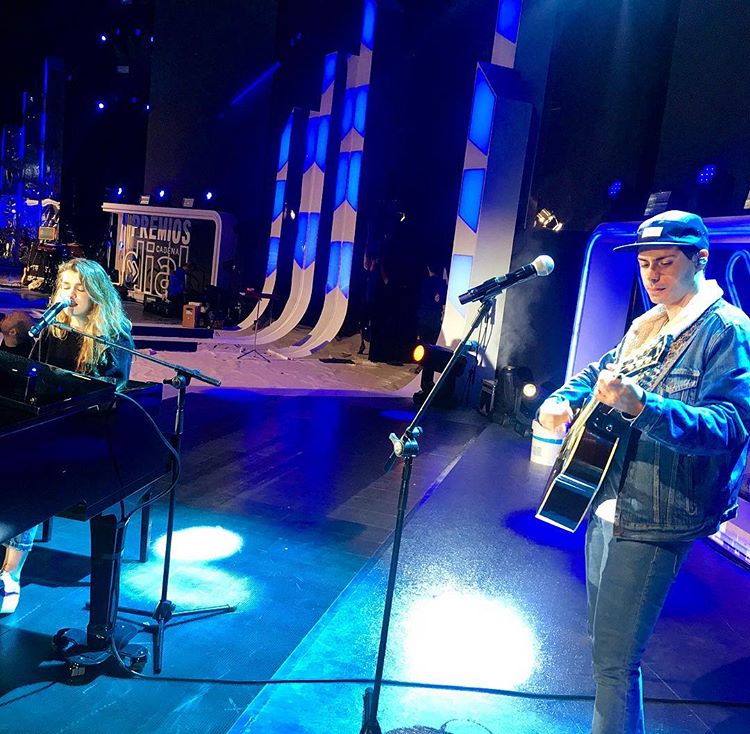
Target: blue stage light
(286, 138)
(209, 195)
(103, 38)
(352, 185)
(329, 71)
(120, 190)
(341, 176)
(273, 255)
(508, 19)
(321, 144)
(148, 107)
(614, 189)
(347, 116)
(334, 263)
(368, 23)
(482, 113)
(360, 109)
(461, 266)
(470, 202)
(345, 271)
(162, 193)
(706, 174)
(100, 105)
(278, 199)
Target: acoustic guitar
(590, 445)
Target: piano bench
(144, 540)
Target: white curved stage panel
(291, 130)
(306, 244)
(346, 198)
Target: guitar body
(581, 466)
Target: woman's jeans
(22, 542)
(627, 582)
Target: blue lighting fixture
(278, 199)
(614, 189)
(273, 255)
(313, 125)
(120, 191)
(508, 19)
(286, 138)
(103, 38)
(345, 271)
(329, 71)
(706, 174)
(368, 24)
(334, 266)
(347, 116)
(471, 196)
(321, 143)
(100, 106)
(360, 109)
(461, 266)
(209, 195)
(482, 113)
(352, 183)
(341, 176)
(162, 193)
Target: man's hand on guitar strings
(619, 391)
(555, 415)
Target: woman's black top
(114, 365)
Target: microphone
(49, 316)
(542, 265)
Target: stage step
(171, 330)
(164, 345)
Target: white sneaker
(10, 593)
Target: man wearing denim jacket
(677, 477)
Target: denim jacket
(686, 455)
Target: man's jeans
(627, 582)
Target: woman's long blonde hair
(106, 318)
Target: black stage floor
(284, 510)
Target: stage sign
(153, 241)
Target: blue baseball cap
(671, 229)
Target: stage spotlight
(120, 191)
(103, 38)
(530, 397)
(706, 175)
(614, 189)
(546, 219)
(512, 383)
(529, 391)
(148, 107)
(209, 195)
(100, 105)
(162, 193)
(432, 359)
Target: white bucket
(545, 444)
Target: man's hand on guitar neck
(555, 415)
(619, 392)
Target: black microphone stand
(406, 448)
(165, 609)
